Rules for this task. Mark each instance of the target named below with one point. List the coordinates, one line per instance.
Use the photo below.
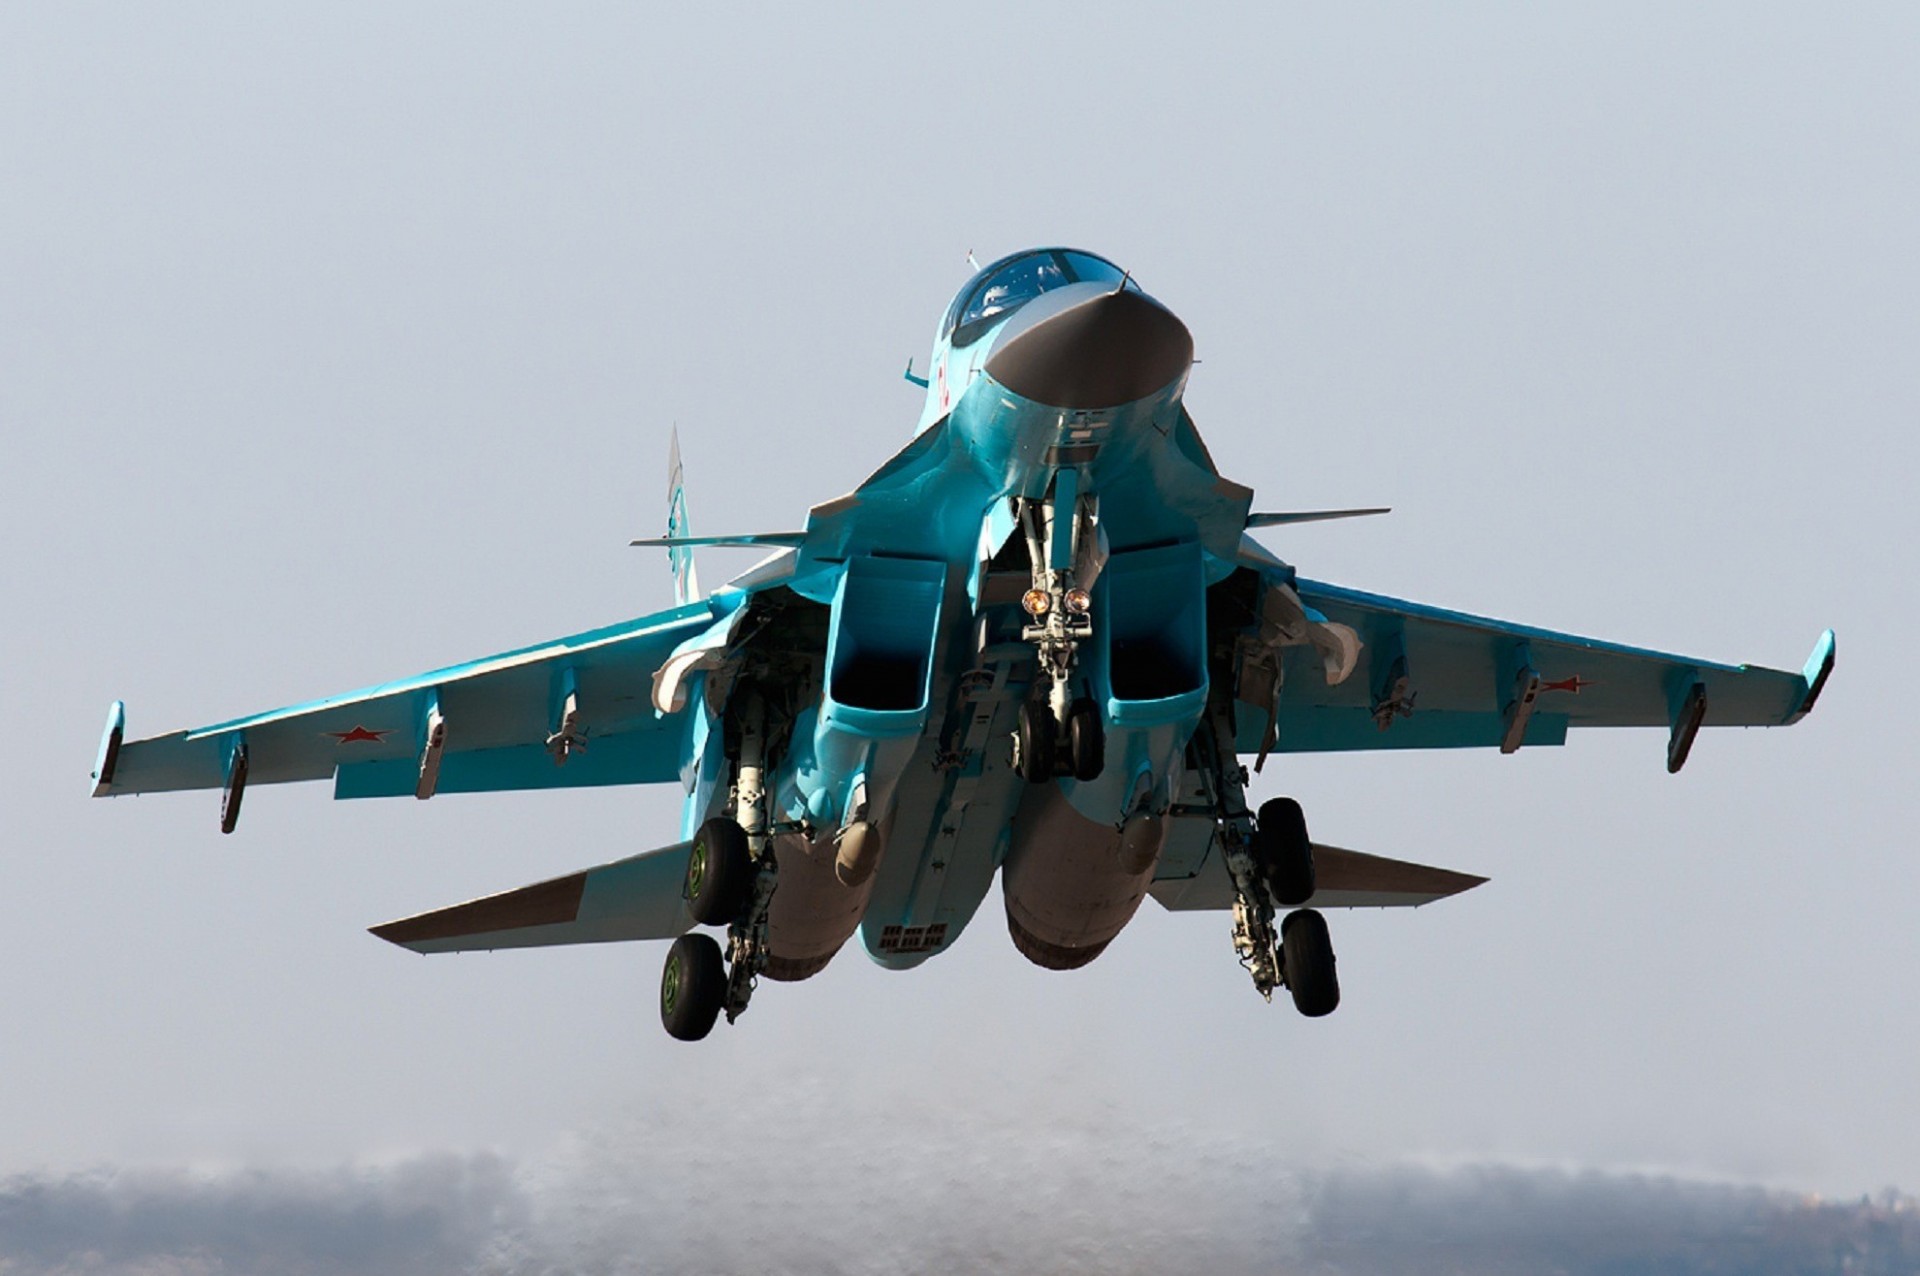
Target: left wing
(576, 711)
(1427, 677)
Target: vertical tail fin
(686, 581)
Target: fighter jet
(1034, 645)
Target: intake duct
(1154, 619)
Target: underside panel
(1067, 890)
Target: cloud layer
(1074, 1195)
(431, 1215)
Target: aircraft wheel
(1086, 741)
(1037, 736)
(1306, 955)
(719, 872)
(693, 987)
(1284, 852)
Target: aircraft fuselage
(1069, 403)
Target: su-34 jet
(1037, 643)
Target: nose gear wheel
(1033, 743)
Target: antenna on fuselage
(972, 262)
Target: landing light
(1078, 600)
(1036, 602)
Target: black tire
(1306, 956)
(1086, 741)
(693, 987)
(1284, 852)
(719, 873)
(1037, 736)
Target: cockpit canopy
(1012, 282)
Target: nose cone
(1087, 346)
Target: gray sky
(341, 344)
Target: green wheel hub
(670, 986)
(697, 868)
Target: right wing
(1400, 674)
(634, 898)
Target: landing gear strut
(1270, 862)
(1058, 734)
(731, 876)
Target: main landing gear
(1059, 734)
(730, 882)
(1271, 863)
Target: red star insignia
(1572, 684)
(360, 735)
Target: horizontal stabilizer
(1288, 518)
(635, 898)
(746, 540)
(1345, 879)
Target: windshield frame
(964, 331)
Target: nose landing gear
(1058, 734)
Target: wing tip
(1819, 668)
(389, 932)
(107, 760)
